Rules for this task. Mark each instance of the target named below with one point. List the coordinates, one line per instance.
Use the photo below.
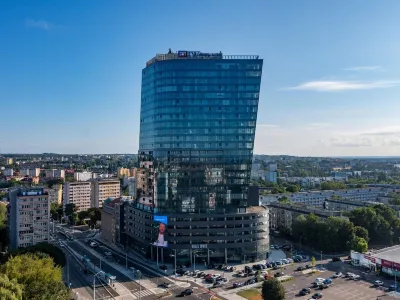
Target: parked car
(279, 274)
(337, 275)
(323, 286)
(317, 296)
(334, 259)
(180, 272)
(187, 292)
(305, 291)
(163, 267)
(328, 281)
(378, 283)
(300, 268)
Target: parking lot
(341, 288)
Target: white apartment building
(54, 173)
(8, 172)
(317, 198)
(78, 193)
(29, 217)
(83, 176)
(104, 189)
(32, 172)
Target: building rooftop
(305, 209)
(391, 254)
(184, 54)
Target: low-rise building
(385, 260)
(78, 193)
(28, 217)
(282, 215)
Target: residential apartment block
(54, 173)
(123, 172)
(281, 216)
(8, 172)
(317, 198)
(31, 172)
(78, 193)
(104, 189)
(9, 161)
(29, 217)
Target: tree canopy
(9, 289)
(380, 221)
(334, 234)
(332, 185)
(38, 275)
(272, 289)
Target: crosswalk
(147, 292)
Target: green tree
(39, 276)
(332, 185)
(9, 289)
(293, 188)
(272, 289)
(3, 215)
(94, 215)
(313, 261)
(360, 245)
(54, 210)
(361, 232)
(70, 208)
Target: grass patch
(250, 294)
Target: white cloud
(343, 139)
(350, 142)
(365, 68)
(41, 24)
(337, 86)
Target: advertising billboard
(161, 223)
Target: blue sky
(70, 70)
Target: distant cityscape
(195, 195)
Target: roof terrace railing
(171, 56)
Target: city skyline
(70, 79)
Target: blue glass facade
(197, 127)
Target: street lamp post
(320, 264)
(140, 287)
(175, 261)
(94, 284)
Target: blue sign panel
(161, 219)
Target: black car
(180, 272)
(334, 259)
(300, 269)
(323, 286)
(212, 266)
(308, 266)
(164, 267)
(187, 292)
(237, 284)
(278, 274)
(305, 291)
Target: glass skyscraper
(197, 128)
